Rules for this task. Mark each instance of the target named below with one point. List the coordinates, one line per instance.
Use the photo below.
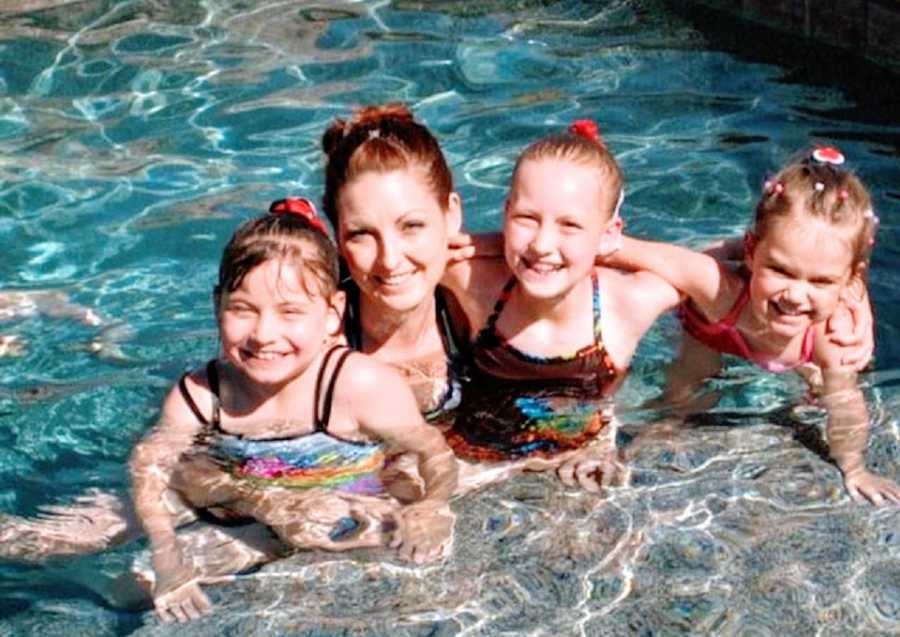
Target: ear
(749, 248)
(334, 322)
(611, 239)
(454, 214)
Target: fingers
(566, 473)
(183, 605)
(586, 474)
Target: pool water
(134, 135)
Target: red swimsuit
(724, 337)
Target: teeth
(395, 279)
(543, 268)
(266, 356)
(789, 311)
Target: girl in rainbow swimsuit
(287, 426)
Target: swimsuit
(316, 459)
(448, 396)
(723, 335)
(519, 404)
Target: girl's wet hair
(821, 190)
(283, 236)
(580, 143)
(381, 139)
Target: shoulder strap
(321, 422)
(490, 326)
(212, 376)
(598, 330)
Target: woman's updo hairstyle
(381, 139)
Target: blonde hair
(821, 191)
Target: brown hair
(277, 236)
(822, 191)
(381, 139)
(581, 143)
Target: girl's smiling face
(393, 235)
(554, 226)
(798, 271)
(276, 322)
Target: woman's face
(393, 233)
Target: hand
(863, 485)
(176, 594)
(851, 327)
(424, 532)
(460, 247)
(593, 468)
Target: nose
(796, 292)
(543, 240)
(389, 253)
(264, 328)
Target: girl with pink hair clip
(805, 260)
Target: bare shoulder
(194, 388)
(476, 284)
(639, 292)
(365, 380)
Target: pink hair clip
(828, 155)
(773, 187)
(586, 128)
(299, 207)
(843, 194)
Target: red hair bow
(299, 207)
(828, 155)
(586, 128)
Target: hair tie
(586, 128)
(773, 187)
(302, 208)
(819, 186)
(828, 155)
(375, 133)
(843, 194)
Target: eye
(293, 311)
(412, 225)
(356, 235)
(239, 308)
(571, 225)
(525, 218)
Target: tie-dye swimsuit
(317, 459)
(519, 405)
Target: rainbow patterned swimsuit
(314, 460)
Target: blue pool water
(135, 134)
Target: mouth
(262, 355)
(541, 268)
(394, 280)
(787, 310)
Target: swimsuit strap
(731, 319)
(598, 332)
(490, 326)
(321, 423)
(212, 376)
(445, 326)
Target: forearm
(848, 422)
(439, 472)
(151, 466)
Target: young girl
(546, 317)
(808, 249)
(285, 426)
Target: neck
(555, 310)
(391, 335)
